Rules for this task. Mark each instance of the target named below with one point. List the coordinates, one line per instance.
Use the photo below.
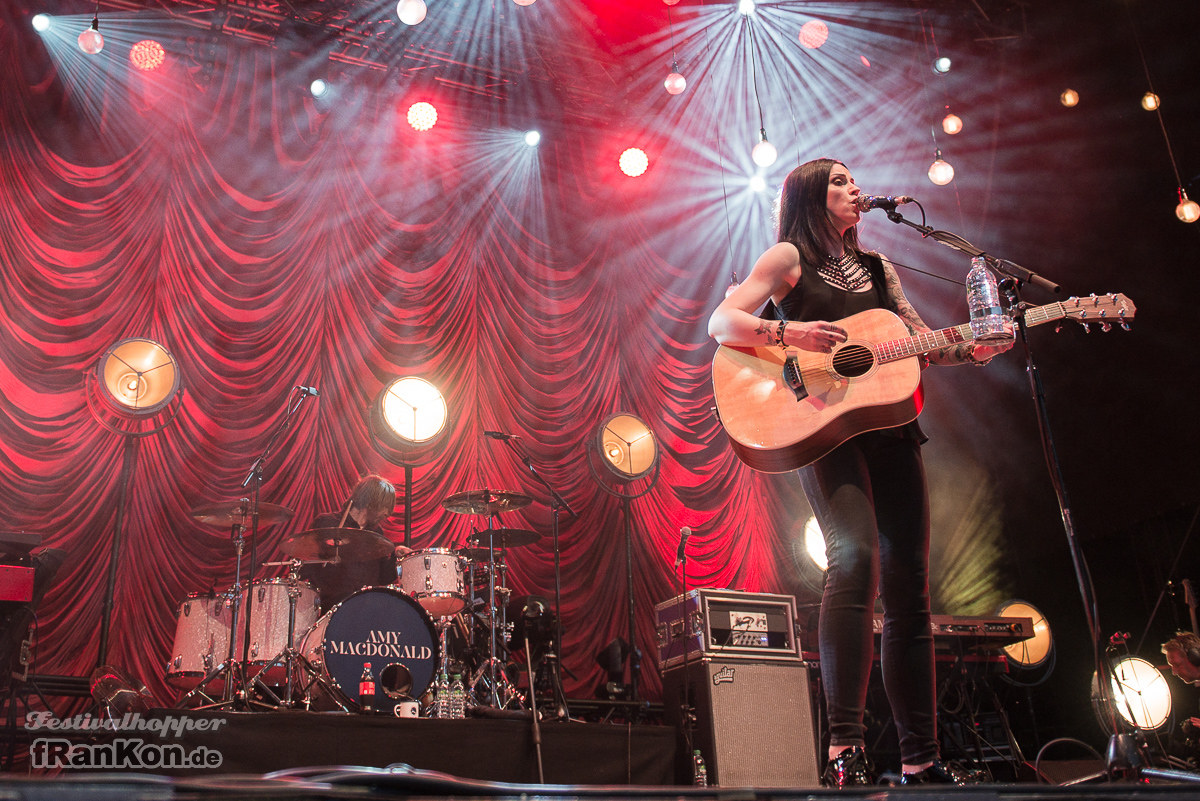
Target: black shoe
(851, 768)
(941, 773)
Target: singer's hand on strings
(820, 336)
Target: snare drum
(269, 622)
(201, 639)
(435, 578)
(380, 625)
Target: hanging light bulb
(675, 82)
(524, 2)
(764, 153)
(90, 41)
(411, 12)
(1188, 210)
(952, 123)
(940, 171)
(1069, 98)
(1150, 101)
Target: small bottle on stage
(699, 769)
(989, 323)
(441, 696)
(458, 698)
(366, 690)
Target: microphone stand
(557, 504)
(256, 475)
(1010, 286)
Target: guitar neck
(906, 347)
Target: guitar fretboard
(897, 349)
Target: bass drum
(379, 625)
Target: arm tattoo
(955, 354)
(765, 331)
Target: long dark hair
(802, 217)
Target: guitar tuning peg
(1125, 325)
(1058, 328)
(1106, 327)
(1087, 328)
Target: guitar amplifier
(726, 623)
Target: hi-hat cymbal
(501, 538)
(226, 513)
(351, 544)
(486, 502)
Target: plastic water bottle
(699, 769)
(458, 698)
(366, 689)
(441, 697)
(989, 323)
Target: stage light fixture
(952, 124)
(524, 2)
(411, 12)
(675, 82)
(41, 22)
(1188, 210)
(1035, 651)
(91, 41)
(813, 34)
(408, 423)
(764, 153)
(670, 2)
(633, 162)
(627, 446)
(318, 88)
(758, 183)
(1150, 101)
(745, 7)
(137, 377)
(147, 55)
(533, 138)
(940, 171)
(1140, 694)
(422, 116)
(1069, 98)
(941, 65)
(409, 411)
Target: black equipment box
(726, 623)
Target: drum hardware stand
(493, 668)
(231, 669)
(557, 504)
(290, 659)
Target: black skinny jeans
(871, 499)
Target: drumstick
(345, 514)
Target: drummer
(371, 502)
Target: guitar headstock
(1103, 310)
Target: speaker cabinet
(756, 723)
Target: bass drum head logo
(384, 627)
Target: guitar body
(843, 394)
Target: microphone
(310, 391)
(684, 533)
(868, 202)
(500, 435)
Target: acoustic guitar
(783, 409)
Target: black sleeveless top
(812, 298)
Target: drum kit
(268, 644)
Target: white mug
(407, 709)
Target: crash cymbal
(502, 538)
(486, 502)
(351, 544)
(226, 513)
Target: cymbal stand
(557, 504)
(493, 668)
(289, 658)
(231, 669)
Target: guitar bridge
(792, 379)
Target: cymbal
(501, 538)
(486, 502)
(226, 513)
(352, 544)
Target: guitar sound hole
(853, 361)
